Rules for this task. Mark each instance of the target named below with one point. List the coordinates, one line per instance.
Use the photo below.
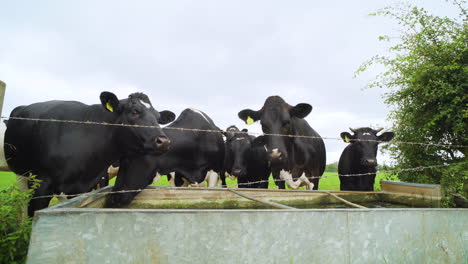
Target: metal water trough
(201, 225)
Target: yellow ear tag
(249, 120)
(346, 139)
(109, 107)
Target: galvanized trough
(200, 225)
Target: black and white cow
(69, 157)
(246, 159)
(360, 157)
(194, 156)
(298, 157)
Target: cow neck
(110, 149)
(291, 147)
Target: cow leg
(307, 183)
(241, 183)
(278, 181)
(263, 185)
(181, 179)
(212, 178)
(186, 183)
(222, 177)
(312, 182)
(342, 183)
(287, 177)
(112, 172)
(156, 178)
(171, 179)
(315, 183)
(45, 189)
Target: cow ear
(249, 116)
(259, 141)
(300, 110)
(385, 137)
(245, 130)
(166, 117)
(346, 137)
(110, 102)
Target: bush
(426, 75)
(15, 227)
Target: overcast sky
(216, 56)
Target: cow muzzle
(275, 154)
(162, 144)
(236, 172)
(369, 162)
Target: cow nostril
(162, 142)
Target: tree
(332, 167)
(426, 75)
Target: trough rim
(67, 206)
(125, 210)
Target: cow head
(365, 143)
(237, 146)
(276, 117)
(137, 110)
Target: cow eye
(135, 112)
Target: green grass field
(329, 181)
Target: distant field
(329, 181)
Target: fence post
(3, 163)
(2, 95)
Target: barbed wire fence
(221, 131)
(394, 171)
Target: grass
(329, 181)
(7, 179)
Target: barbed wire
(362, 174)
(250, 183)
(223, 131)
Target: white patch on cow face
(240, 138)
(275, 154)
(145, 104)
(265, 148)
(200, 113)
(366, 134)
